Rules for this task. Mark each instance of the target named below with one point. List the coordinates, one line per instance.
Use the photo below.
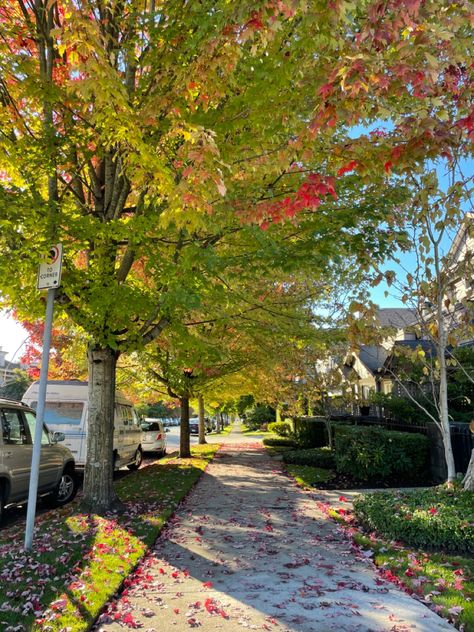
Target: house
(364, 367)
(459, 263)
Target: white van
(66, 411)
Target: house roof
(372, 356)
(398, 317)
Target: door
(16, 450)
(51, 460)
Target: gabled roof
(398, 317)
(372, 357)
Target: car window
(31, 420)
(151, 425)
(135, 418)
(14, 430)
(63, 413)
(125, 414)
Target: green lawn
(308, 476)
(79, 561)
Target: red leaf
(350, 166)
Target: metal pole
(35, 460)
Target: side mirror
(56, 437)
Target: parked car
(57, 478)
(66, 410)
(194, 425)
(154, 435)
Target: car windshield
(150, 425)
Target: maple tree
(163, 144)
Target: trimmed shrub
(311, 432)
(375, 454)
(281, 428)
(437, 518)
(317, 457)
(280, 441)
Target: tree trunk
(443, 375)
(99, 492)
(468, 480)
(184, 443)
(202, 421)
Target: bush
(311, 432)
(280, 441)
(375, 454)
(281, 428)
(259, 415)
(317, 457)
(399, 408)
(436, 518)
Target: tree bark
(184, 443)
(468, 480)
(99, 492)
(202, 421)
(443, 374)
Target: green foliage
(244, 404)
(280, 441)
(437, 518)
(376, 454)
(399, 408)
(317, 457)
(311, 433)
(157, 410)
(259, 415)
(281, 428)
(16, 387)
(461, 386)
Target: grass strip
(308, 476)
(79, 560)
(443, 581)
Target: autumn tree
(161, 143)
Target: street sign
(49, 273)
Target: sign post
(49, 277)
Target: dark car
(194, 426)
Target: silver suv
(57, 479)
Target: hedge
(375, 454)
(311, 432)
(437, 517)
(317, 457)
(281, 428)
(280, 441)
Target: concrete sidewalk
(249, 549)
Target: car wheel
(137, 461)
(65, 490)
